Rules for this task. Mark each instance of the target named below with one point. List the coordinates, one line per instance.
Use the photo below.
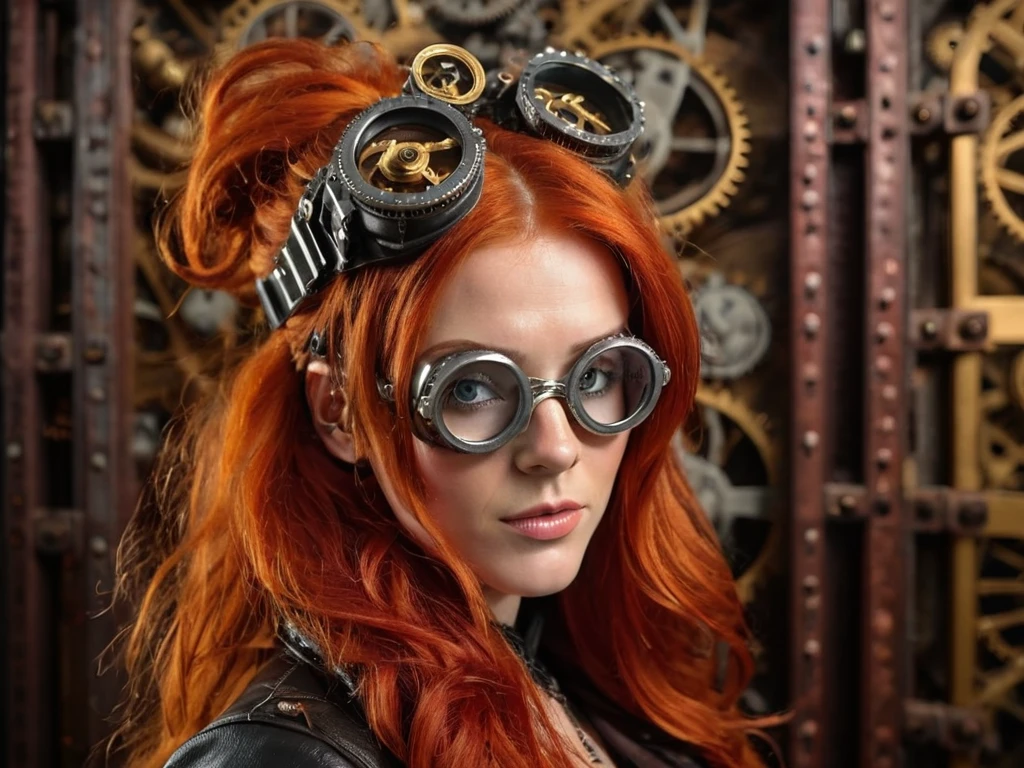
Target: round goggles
(476, 401)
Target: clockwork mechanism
(734, 329)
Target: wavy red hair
(257, 522)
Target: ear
(329, 405)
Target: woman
(431, 519)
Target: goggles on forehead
(410, 167)
(477, 401)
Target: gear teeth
(237, 18)
(717, 198)
(988, 162)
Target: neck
(504, 607)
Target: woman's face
(544, 301)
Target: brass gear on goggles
(476, 401)
(410, 167)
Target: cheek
(458, 484)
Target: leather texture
(289, 716)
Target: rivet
(929, 329)
(811, 373)
(923, 114)
(98, 546)
(883, 364)
(809, 199)
(810, 173)
(884, 331)
(968, 109)
(14, 451)
(810, 440)
(848, 116)
(97, 394)
(883, 457)
(814, 46)
(812, 324)
(887, 424)
(812, 648)
(98, 461)
(811, 536)
(810, 130)
(808, 729)
(887, 11)
(812, 282)
(886, 297)
(811, 584)
(973, 328)
(847, 503)
(891, 267)
(889, 392)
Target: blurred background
(842, 183)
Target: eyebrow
(462, 345)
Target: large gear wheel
(248, 21)
(473, 13)
(733, 469)
(697, 139)
(1002, 167)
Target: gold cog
(681, 212)
(1002, 167)
(942, 43)
(747, 430)
(247, 21)
(1000, 619)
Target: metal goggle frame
(410, 167)
(476, 401)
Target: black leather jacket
(296, 715)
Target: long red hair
(257, 522)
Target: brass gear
(681, 211)
(238, 22)
(720, 441)
(1003, 140)
(942, 43)
(473, 13)
(1000, 620)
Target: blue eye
(595, 381)
(470, 393)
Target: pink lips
(547, 521)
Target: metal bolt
(809, 199)
(884, 331)
(929, 330)
(887, 424)
(14, 451)
(883, 457)
(810, 173)
(98, 546)
(810, 130)
(812, 324)
(886, 297)
(811, 373)
(812, 283)
(811, 440)
(98, 461)
(811, 536)
(847, 503)
(889, 392)
(968, 109)
(923, 114)
(855, 41)
(814, 46)
(812, 648)
(883, 364)
(973, 514)
(847, 116)
(973, 328)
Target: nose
(549, 444)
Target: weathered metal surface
(23, 265)
(886, 543)
(102, 298)
(955, 729)
(810, 115)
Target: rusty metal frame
(103, 292)
(24, 276)
(886, 540)
(810, 115)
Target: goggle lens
(615, 385)
(480, 401)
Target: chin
(532, 580)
